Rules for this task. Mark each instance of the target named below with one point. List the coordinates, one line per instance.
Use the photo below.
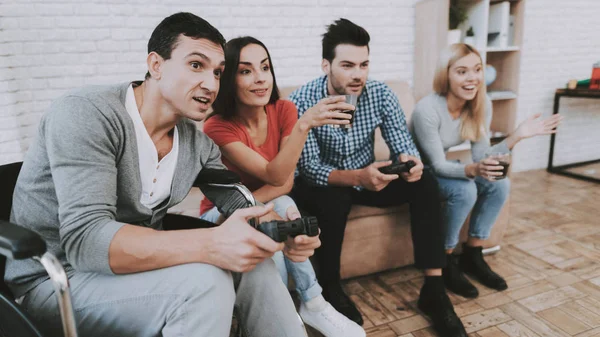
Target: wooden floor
(550, 258)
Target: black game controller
(278, 230)
(397, 167)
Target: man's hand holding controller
(300, 235)
(411, 166)
(279, 230)
(398, 167)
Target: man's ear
(155, 62)
(325, 66)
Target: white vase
(454, 36)
(470, 40)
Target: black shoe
(455, 280)
(437, 306)
(335, 295)
(473, 264)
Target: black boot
(473, 264)
(335, 295)
(455, 280)
(434, 303)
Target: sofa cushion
(361, 211)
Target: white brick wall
(560, 43)
(48, 47)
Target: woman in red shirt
(261, 138)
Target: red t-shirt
(281, 118)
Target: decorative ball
(490, 74)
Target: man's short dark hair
(165, 36)
(343, 31)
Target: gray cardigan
(435, 132)
(80, 181)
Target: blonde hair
(472, 126)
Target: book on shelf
(499, 25)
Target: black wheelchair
(16, 242)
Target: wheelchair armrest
(178, 221)
(224, 189)
(18, 243)
(216, 176)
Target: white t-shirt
(156, 176)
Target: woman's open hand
(535, 126)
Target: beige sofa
(376, 239)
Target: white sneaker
(330, 322)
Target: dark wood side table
(562, 170)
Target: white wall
(48, 47)
(561, 42)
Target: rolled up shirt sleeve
(310, 165)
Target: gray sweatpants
(186, 300)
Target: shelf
(497, 137)
(501, 49)
(503, 52)
(497, 95)
(496, 140)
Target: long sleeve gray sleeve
(427, 126)
(82, 150)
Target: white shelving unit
(498, 49)
(431, 29)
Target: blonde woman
(460, 110)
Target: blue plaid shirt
(328, 148)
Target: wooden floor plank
(530, 290)
(563, 279)
(516, 329)
(582, 313)
(551, 298)
(387, 297)
(532, 321)
(485, 319)
(382, 331)
(493, 300)
(372, 309)
(590, 333)
(564, 321)
(492, 332)
(409, 324)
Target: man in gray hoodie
(97, 182)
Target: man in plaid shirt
(337, 169)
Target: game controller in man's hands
(279, 230)
(398, 167)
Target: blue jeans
(483, 198)
(302, 273)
